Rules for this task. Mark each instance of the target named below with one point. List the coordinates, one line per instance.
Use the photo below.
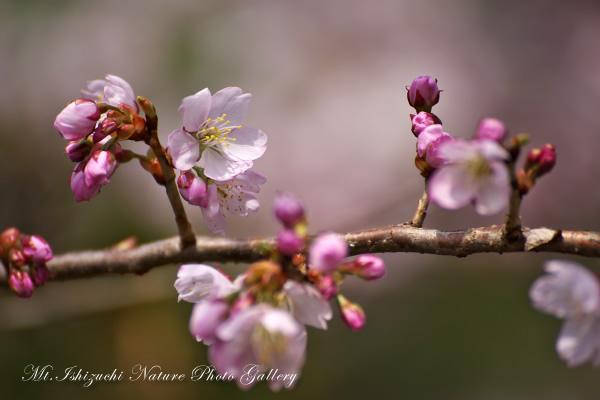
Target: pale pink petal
(220, 168)
(451, 187)
(79, 188)
(457, 151)
(198, 282)
(213, 213)
(115, 95)
(122, 83)
(250, 144)
(308, 306)
(206, 318)
(184, 149)
(579, 339)
(494, 190)
(194, 110)
(567, 291)
(428, 136)
(491, 150)
(232, 102)
(433, 157)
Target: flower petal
(579, 339)
(493, 194)
(451, 187)
(198, 282)
(232, 102)
(308, 306)
(221, 168)
(194, 110)
(184, 149)
(250, 144)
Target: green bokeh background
(328, 83)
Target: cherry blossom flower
(112, 90)
(474, 172)
(307, 305)
(237, 196)
(198, 282)
(213, 137)
(571, 292)
(491, 128)
(260, 336)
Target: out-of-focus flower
(77, 120)
(475, 171)
(288, 242)
(327, 286)
(111, 90)
(263, 338)
(366, 266)
(40, 274)
(199, 282)
(540, 161)
(571, 292)
(422, 120)
(327, 252)
(288, 209)
(492, 129)
(308, 306)
(205, 319)
(213, 137)
(36, 249)
(429, 142)
(352, 313)
(423, 93)
(236, 195)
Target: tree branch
(393, 239)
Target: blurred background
(328, 82)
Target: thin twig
(421, 211)
(186, 231)
(512, 220)
(391, 239)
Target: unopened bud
(423, 93)
(192, 188)
(422, 120)
(20, 283)
(492, 129)
(540, 161)
(366, 266)
(100, 168)
(77, 119)
(327, 286)
(352, 314)
(327, 252)
(288, 242)
(147, 107)
(36, 249)
(78, 150)
(40, 274)
(288, 209)
(17, 257)
(9, 238)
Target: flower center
(269, 347)
(479, 167)
(215, 132)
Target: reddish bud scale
(9, 238)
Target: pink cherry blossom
(288, 209)
(80, 189)
(571, 292)
(192, 188)
(112, 90)
(491, 128)
(308, 306)
(237, 196)
(260, 337)
(100, 168)
(205, 319)
(474, 172)
(213, 137)
(77, 120)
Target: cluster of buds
(24, 257)
(539, 162)
(259, 318)
(94, 125)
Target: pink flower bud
(366, 266)
(20, 283)
(100, 168)
(9, 238)
(288, 209)
(77, 119)
(540, 161)
(40, 274)
(327, 252)
(79, 188)
(327, 287)
(36, 249)
(423, 93)
(422, 120)
(17, 257)
(352, 314)
(491, 128)
(78, 150)
(193, 189)
(288, 242)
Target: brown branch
(393, 239)
(186, 232)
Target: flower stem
(186, 232)
(421, 211)
(512, 221)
